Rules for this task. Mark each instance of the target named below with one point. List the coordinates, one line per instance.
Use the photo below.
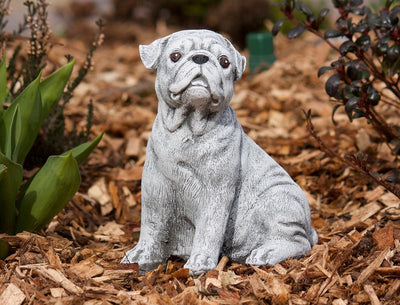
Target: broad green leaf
(30, 108)
(48, 193)
(3, 83)
(81, 152)
(52, 88)
(3, 245)
(14, 133)
(10, 181)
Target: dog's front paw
(146, 258)
(200, 263)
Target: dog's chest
(182, 156)
(181, 148)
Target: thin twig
(360, 168)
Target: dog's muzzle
(197, 84)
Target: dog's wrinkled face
(195, 69)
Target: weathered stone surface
(207, 189)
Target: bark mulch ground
(76, 259)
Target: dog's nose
(200, 59)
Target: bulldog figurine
(208, 189)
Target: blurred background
(124, 18)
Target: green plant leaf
(297, 31)
(14, 133)
(53, 86)
(350, 106)
(81, 152)
(304, 8)
(346, 47)
(10, 182)
(393, 53)
(322, 70)
(323, 13)
(335, 108)
(277, 26)
(373, 96)
(30, 108)
(3, 83)
(332, 85)
(48, 192)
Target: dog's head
(195, 68)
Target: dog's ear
(240, 61)
(150, 54)
(240, 65)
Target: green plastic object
(261, 51)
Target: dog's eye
(175, 56)
(224, 62)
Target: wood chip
(222, 263)
(375, 194)
(113, 190)
(367, 272)
(134, 147)
(372, 295)
(99, 192)
(393, 290)
(12, 295)
(269, 287)
(59, 278)
(280, 270)
(339, 302)
(87, 269)
(111, 231)
(116, 275)
(362, 214)
(384, 237)
(58, 292)
(395, 270)
(305, 156)
(390, 200)
(132, 174)
(128, 196)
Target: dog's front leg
(210, 231)
(152, 248)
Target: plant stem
(362, 169)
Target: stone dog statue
(208, 189)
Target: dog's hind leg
(276, 251)
(287, 229)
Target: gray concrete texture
(207, 188)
